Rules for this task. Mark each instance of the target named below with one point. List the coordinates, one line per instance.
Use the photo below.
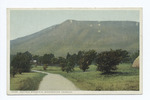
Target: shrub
(107, 61)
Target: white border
(72, 92)
(74, 3)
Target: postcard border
(76, 92)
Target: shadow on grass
(119, 73)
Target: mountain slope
(72, 36)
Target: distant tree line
(106, 61)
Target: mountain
(72, 36)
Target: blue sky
(26, 22)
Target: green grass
(26, 81)
(125, 78)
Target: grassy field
(26, 81)
(125, 78)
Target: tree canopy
(107, 60)
(47, 58)
(21, 63)
(86, 59)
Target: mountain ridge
(72, 36)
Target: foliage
(54, 61)
(21, 63)
(71, 61)
(87, 59)
(68, 56)
(124, 55)
(35, 57)
(11, 57)
(13, 71)
(134, 56)
(69, 67)
(62, 62)
(26, 81)
(125, 78)
(45, 67)
(79, 56)
(107, 60)
(40, 60)
(46, 59)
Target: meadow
(125, 78)
(26, 81)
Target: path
(55, 82)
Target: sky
(26, 22)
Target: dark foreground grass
(26, 81)
(125, 78)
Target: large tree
(87, 59)
(21, 63)
(124, 55)
(107, 60)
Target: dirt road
(55, 82)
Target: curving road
(55, 82)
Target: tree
(107, 60)
(28, 54)
(124, 55)
(40, 60)
(70, 62)
(62, 62)
(13, 71)
(68, 56)
(21, 63)
(26, 58)
(45, 67)
(79, 56)
(74, 59)
(54, 61)
(46, 59)
(87, 59)
(69, 67)
(35, 58)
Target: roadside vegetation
(88, 70)
(21, 77)
(125, 78)
(26, 81)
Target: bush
(107, 61)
